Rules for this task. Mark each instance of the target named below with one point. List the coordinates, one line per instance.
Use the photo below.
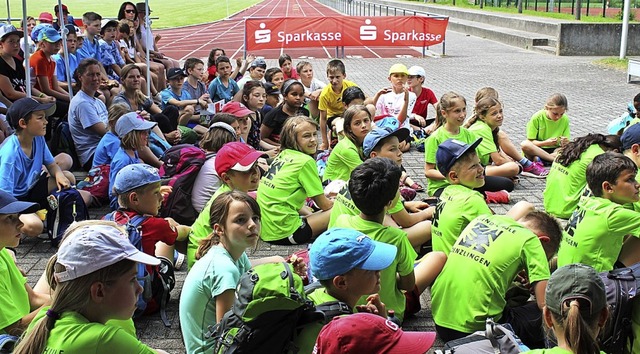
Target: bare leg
(531, 151)
(509, 169)
(158, 69)
(507, 146)
(419, 233)
(185, 115)
(33, 226)
(404, 146)
(64, 161)
(164, 250)
(319, 222)
(427, 271)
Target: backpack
(7, 342)
(621, 287)
(496, 338)
(97, 182)
(181, 166)
(62, 141)
(269, 310)
(65, 207)
(156, 286)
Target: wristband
(41, 95)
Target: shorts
(302, 235)
(39, 192)
(549, 150)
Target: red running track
(198, 40)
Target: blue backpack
(157, 285)
(65, 207)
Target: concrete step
(513, 37)
(545, 49)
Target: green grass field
(170, 13)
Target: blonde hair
(290, 131)
(69, 296)
(219, 213)
(486, 92)
(132, 140)
(115, 112)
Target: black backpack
(64, 208)
(156, 285)
(621, 286)
(269, 311)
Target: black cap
(174, 73)
(271, 89)
(23, 108)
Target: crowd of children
(259, 130)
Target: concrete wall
(596, 39)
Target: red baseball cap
(368, 333)
(45, 17)
(236, 156)
(237, 109)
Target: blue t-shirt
(218, 91)
(89, 50)
(168, 94)
(106, 150)
(61, 73)
(19, 172)
(120, 160)
(84, 112)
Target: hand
(174, 224)
(62, 181)
(431, 128)
(262, 163)
(239, 61)
(551, 142)
(46, 99)
(205, 97)
(523, 279)
(315, 95)
(272, 153)
(415, 206)
(173, 137)
(374, 306)
(144, 114)
(250, 58)
(159, 55)
(564, 140)
(299, 265)
(323, 146)
(165, 191)
(384, 90)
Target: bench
(633, 68)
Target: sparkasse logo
(263, 35)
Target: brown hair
(481, 109)
(348, 116)
(219, 213)
(557, 100)
(139, 96)
(486, 92)
(579, 327)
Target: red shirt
(42, 66)
(294, 75)
(422, 102)
(154, 230)
(212, 70)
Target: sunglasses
(130, 11)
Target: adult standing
(88, 116)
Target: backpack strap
(166, 290)
(332, 309)
(491, 335)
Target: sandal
(416, 187)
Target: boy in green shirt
(489, 254)
(369, 188)
(597, 228)
(347, 263)
(412, 217)
(459, 203)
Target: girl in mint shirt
(94, 275)
(576, 310)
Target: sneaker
(178, 260)
(535, 170)
(499, 197)
(407, 194)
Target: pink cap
(236, 156)
(45, 17)
(237, 109)
(369, 333)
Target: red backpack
(181, 166)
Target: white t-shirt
(390, 104)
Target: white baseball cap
(95, 246)
(417, 71)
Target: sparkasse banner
(300, 32)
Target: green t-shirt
(541, 128)
(458, 205)
(126, 325)
(309, 333)
(344, 205)
(595, 231)
(390, 295)
(635, 206)
(554, 350)
(344, 158)
(14, 300)
(565, 185)
(488, 145)
(482, 264)
(215, 273)
(74, 334)
(292, 177)
(431, 147)
(201, 228)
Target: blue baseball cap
(130, 122)
(49, 34)
(373, 137)
(450, 151)
(10, 205)
(630, 136)
(134, 176)
(339, 250)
